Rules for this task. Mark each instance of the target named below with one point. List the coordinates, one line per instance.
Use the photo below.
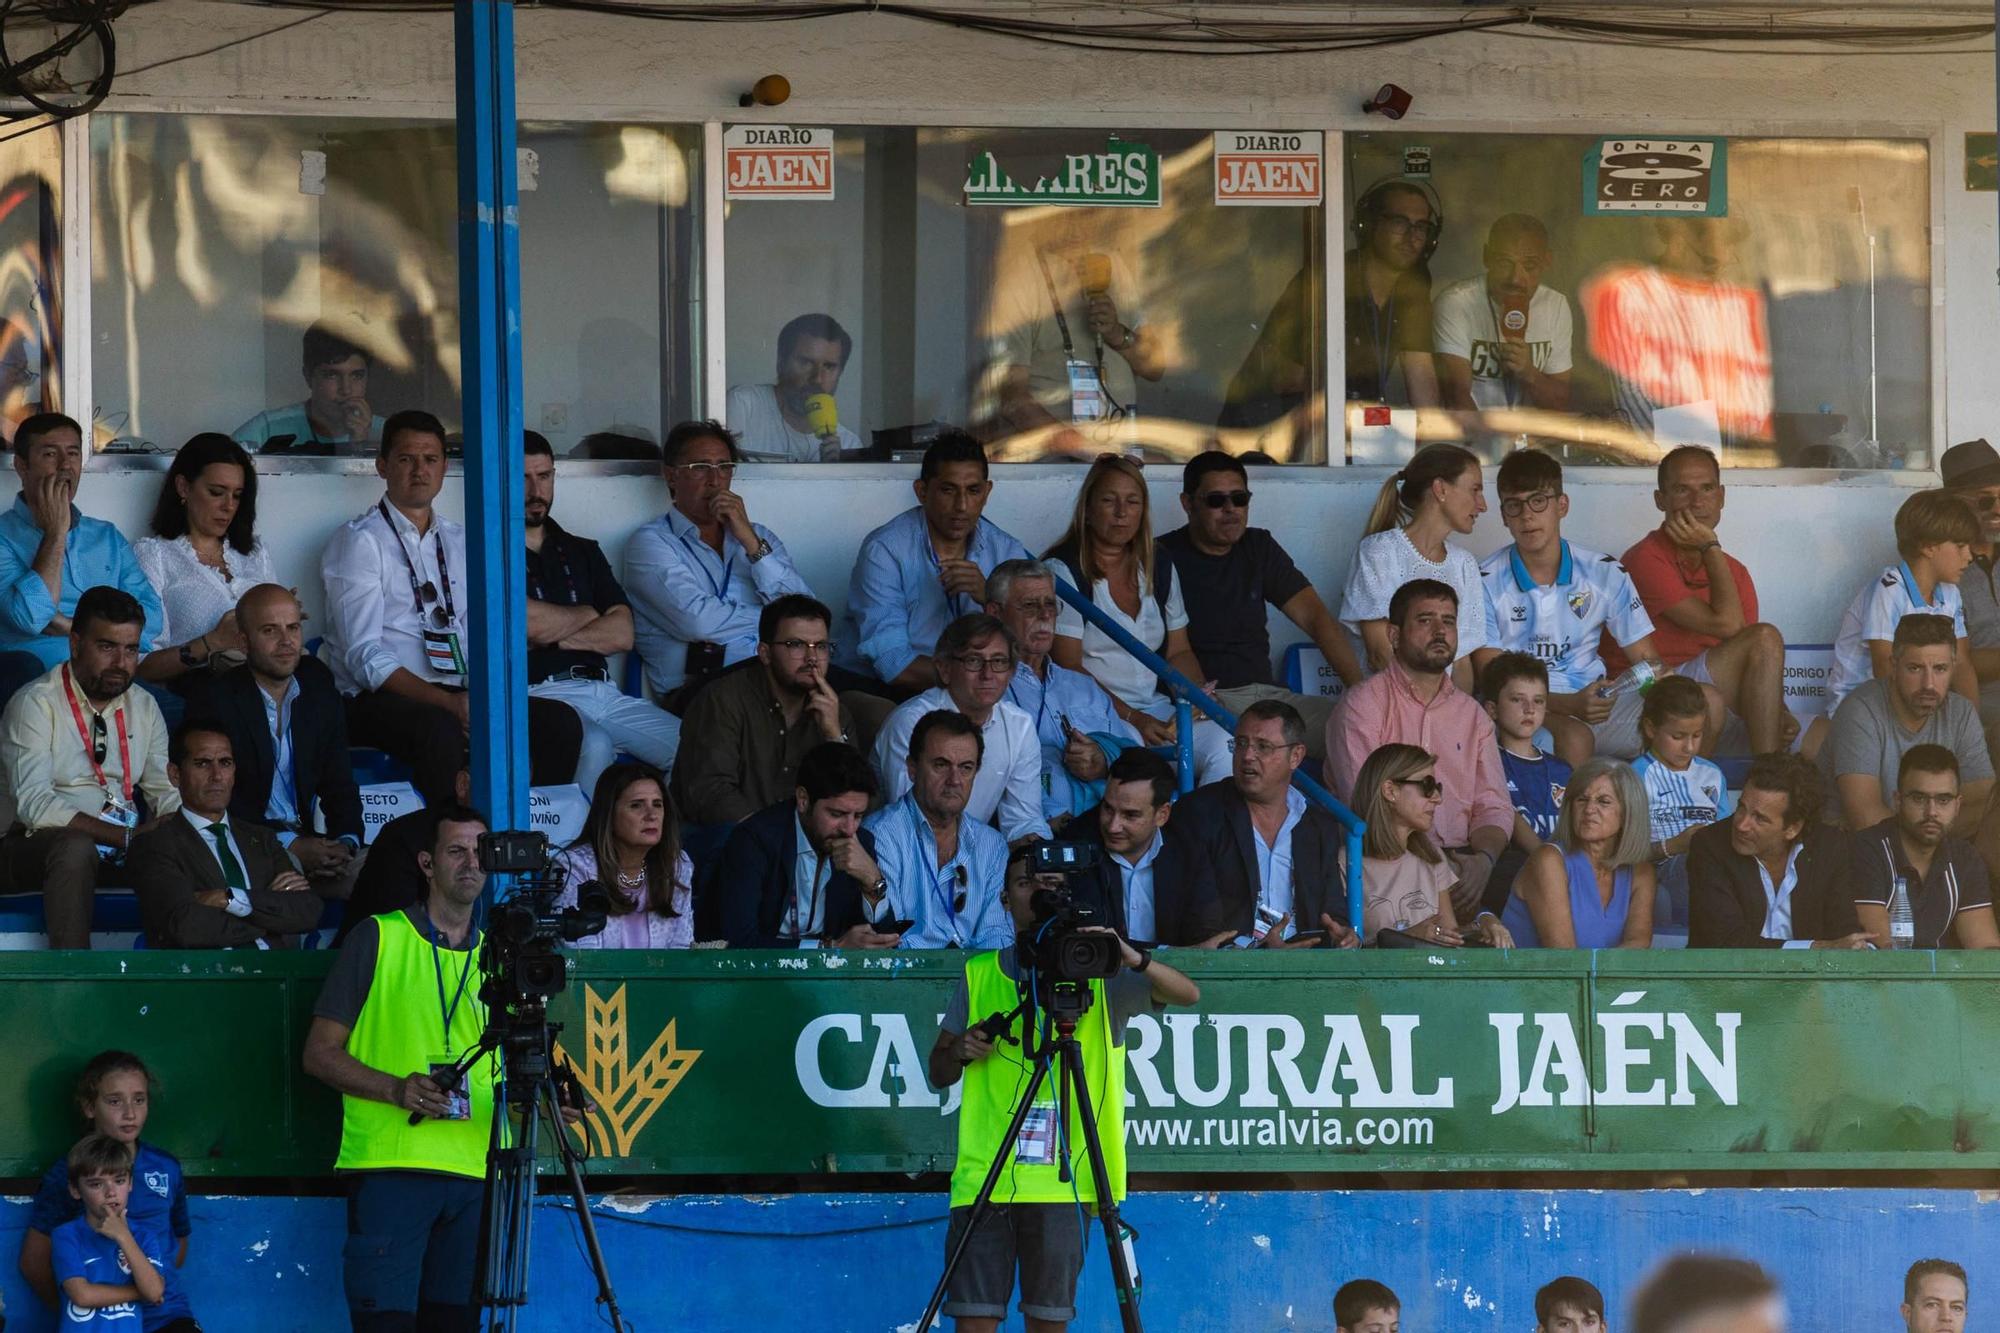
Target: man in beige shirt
(78, 748)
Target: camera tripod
(1061, 1055)
(532, 1079)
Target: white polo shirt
(1874, 614)
(1561, 624)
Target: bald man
(1504, 340)
(286, 721)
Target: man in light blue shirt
(1080, 733)
(700, 575)
(944, 871)
(335, 417)
(50, 554)
(927, 566)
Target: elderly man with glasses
(1230, 573)
(701, 573)
(976, 658)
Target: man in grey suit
(204, 881)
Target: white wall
(1810, 539)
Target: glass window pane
(955, 312)
(30, 277)
(223, 241)
(1611, 298)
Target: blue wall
(1461, 1260)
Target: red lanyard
(83, 734)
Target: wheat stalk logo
(627, 1092)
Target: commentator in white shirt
(976, 659)
(397, 621)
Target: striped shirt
(1681, 799)
(1956, 883)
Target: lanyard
(809, 926)
(416, 584)
(1055, 306)
(697, 546)
(1382, 328)
(937, 567)
(535, 589)
(1507, 384)
(83, 734)
(437, 966)
(946, 875)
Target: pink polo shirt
(1383, 710)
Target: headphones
(1368, 211)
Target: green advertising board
(1124, 175)
(779, 1064)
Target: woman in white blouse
(1438, 493)
(1109, 554)
(202, 557)
(631, 845)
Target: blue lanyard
(721, 589)
(950, 599)
(1382, 328)
(437, 967)
(947, 874)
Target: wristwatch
(763, 549)
(1145, 959)
(188, 659)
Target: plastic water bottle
(1639, 676)
(1902, 922)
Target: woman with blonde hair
(1438, 493)
(1592, 887)
(1405, 880)
(1110, 556)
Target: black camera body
(1059, 948)
(522, 956)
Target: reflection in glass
(30, 277)
(1792, 330)
(294, 280)
(1049, 329)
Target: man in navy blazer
(798, 873)
(282, 692)
(1148, 887)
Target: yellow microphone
(821, 414)
(1096, 273)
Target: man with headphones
(1397, 224)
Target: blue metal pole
(1184, 741)
(489, 302)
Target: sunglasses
(958, 898)
(1427, 786)
(97, 738)
(1227, 499)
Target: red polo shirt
(1664, 576)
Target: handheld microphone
(1514, 319)
(1095, 271)
(822, 415)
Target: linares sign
(776, 162)
(1268, 168)
(1124, 175)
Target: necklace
(633, 880)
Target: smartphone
(894, 927)
(1316, 936)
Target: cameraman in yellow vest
(1034, 1222)
(400, 1006)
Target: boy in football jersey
(1553, 600)
(1684, 791)
(1514, 689)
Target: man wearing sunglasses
(397, 616)
(1230, 574)
(1972, 472)
(78, 748)
(941, 869)
(976, 659)
(700, 574)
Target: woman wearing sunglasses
(1592, 886)
(1405, 880)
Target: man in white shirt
(397, 611)
(777, 422)
(1503, 340)
(976, 659)
(78, 748)
(205, 882)
(700, 575)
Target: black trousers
(432, 743)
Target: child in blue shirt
(1514, 689)
(112, 1266)
(114, 1093)
(1684, 791)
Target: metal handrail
(1186, 696)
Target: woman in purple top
(1592, 888)
(631, 844)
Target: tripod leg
(985, 1196)
(571, 1166)
(1100, 1174)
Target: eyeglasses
(1395, 224)
(974, 665)
(1428, 786)
(703, 471)
(1265, 749)
(1227, 499)
(1533, 504)
(804, 647)
(97, 738)
(1046, 609)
